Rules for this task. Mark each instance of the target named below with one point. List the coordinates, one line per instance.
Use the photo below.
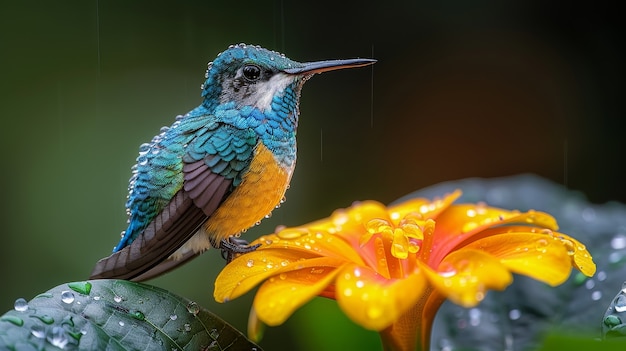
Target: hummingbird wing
(225, 155)
(214, 157)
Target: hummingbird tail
(163, 236)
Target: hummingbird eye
(251, 72)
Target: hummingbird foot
(233, 247)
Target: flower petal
(539, 256)
(460, 222)
(425, 207)
(373, 301)
(281, 295)
(309, 241)
(350, 223)
(248, 270)
(466, 274)
(581, 258)
(351, 218)
(256, 327)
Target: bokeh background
(461, 89)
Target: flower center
(403, 238)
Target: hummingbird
(217, 170)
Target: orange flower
(390, 268)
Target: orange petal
(581, 258)
(281, 295)
(460, 222)
(246, 271)
(466, 274)
(373, 301)
(539, 256)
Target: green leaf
(556, 341)
(115, 315)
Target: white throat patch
(265, 91)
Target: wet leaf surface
(115, 315)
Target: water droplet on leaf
(67, 296)
(44, 318)
(618, 242)
(193, 308)
(214, 334)
(38, 331)
(596, 295)
(620, 304)
(13, 319)
(474, 317)
(138, 315)
(20, 305)
(515, 314)
(80, 287)
(589, 214)
(57, 337)
(612, 321)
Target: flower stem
(412, 330)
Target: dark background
(461, 89)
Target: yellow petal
(538, 256)
(256, 327)
(425, 207)
(309, 241)
(373, 301)
(349, 223)
(246, 271)
(352, 218)
(581, 258)
(465, 275)
(281, 295)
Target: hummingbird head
(253, 76)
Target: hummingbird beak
(310, 68)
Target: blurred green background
(461, 89)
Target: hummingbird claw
(233, 247)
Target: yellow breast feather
(262, 188)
